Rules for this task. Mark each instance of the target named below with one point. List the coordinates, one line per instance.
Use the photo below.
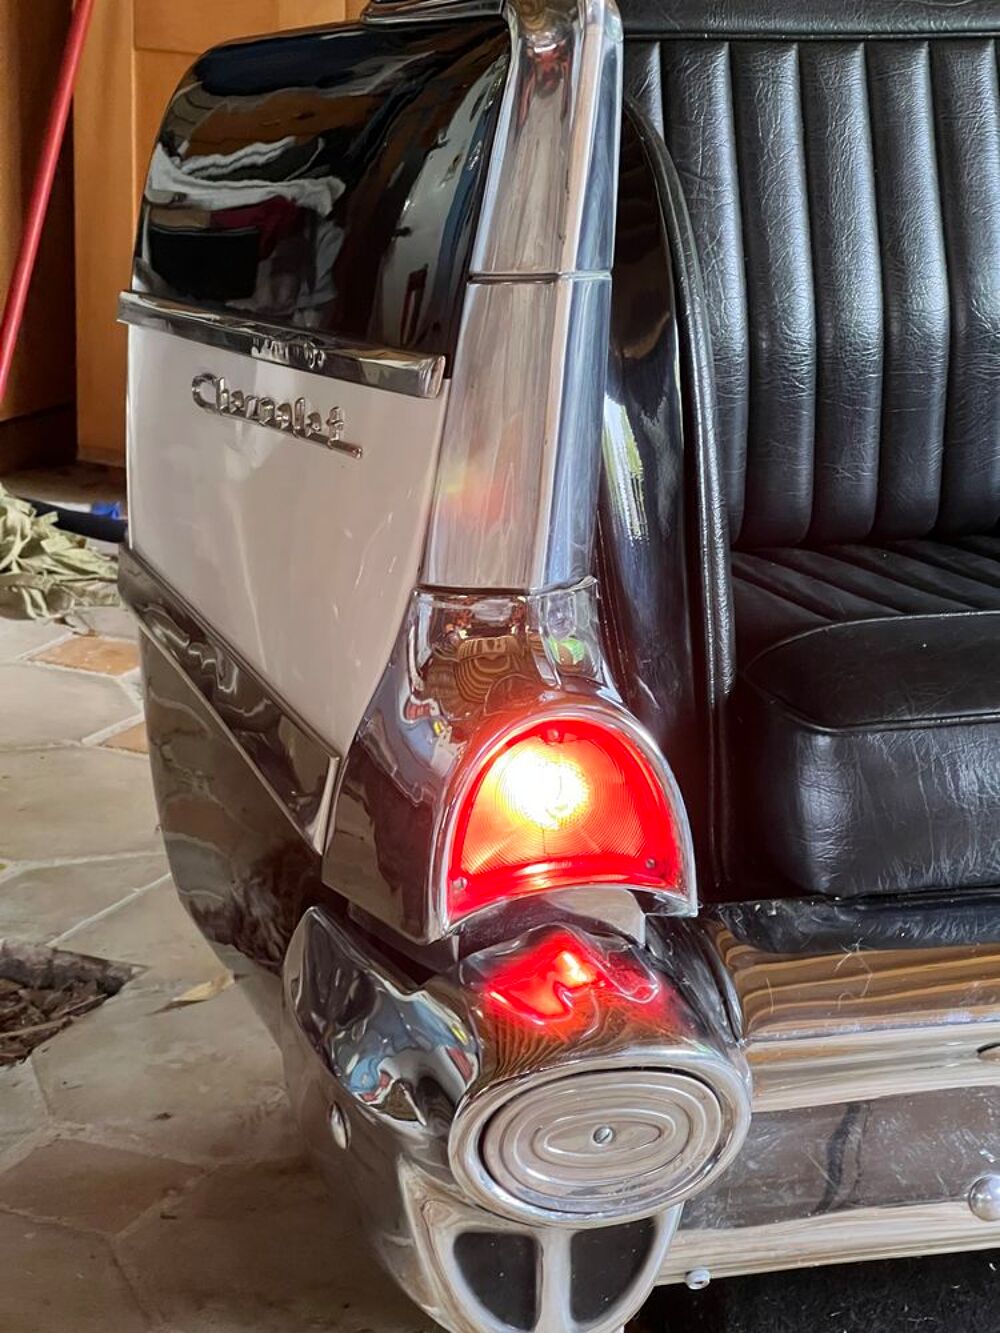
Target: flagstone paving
(151, 1176)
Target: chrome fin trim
(516, 497)
(318, 353)
(290, 760)
(549, 205)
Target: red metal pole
(17, 293)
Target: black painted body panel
(242, 870)
(329, 180)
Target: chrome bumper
(474, 1146)
(473, 1129)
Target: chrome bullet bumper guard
(542, 1111)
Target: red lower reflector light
(563, 803)
(561, 977)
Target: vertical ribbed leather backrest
(845, 196)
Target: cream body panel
(301, 557)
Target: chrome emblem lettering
(213, 394)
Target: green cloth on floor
(46, 572)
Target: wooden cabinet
(31, 40)
(136, 54)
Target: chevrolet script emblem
(298, 419)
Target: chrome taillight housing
(497, 764)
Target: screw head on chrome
(698, 1279)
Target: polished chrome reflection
(441, 1218)
(328, 181)
(549, 206)
(833, 1024)
(403, 1071)
(912, 1149)
(285, 345)
(610, 1090)
(516, 497)
(296, 767)
(984, 1198)
(466, 670)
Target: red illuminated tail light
(563, 802)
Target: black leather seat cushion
(840, 166)
(868, 714)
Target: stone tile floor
(151, 1177)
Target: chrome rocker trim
(288, 758)
(318, 353)
(851, 1236)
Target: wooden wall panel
(193, 25)
(137, 52)
(157, 74)
(31, 40)
(106, 193)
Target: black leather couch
(839, 165)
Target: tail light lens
(566, 802)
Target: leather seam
(880, 467)
(828, 582)
(758, 582)
(937, 563)
(874, 726)
(741, 577)
(899, 583)
(637, 33)
(871, 620)
(847, 560)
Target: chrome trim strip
(831, 1238)
(429, 11)
(318, 353)
(856, 1024)
(293, 763)
(516, 495)
(549, 204)
(519, 468)
(584, 275)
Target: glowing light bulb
(572, 971)
(543, 787)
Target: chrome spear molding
(518, 473)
